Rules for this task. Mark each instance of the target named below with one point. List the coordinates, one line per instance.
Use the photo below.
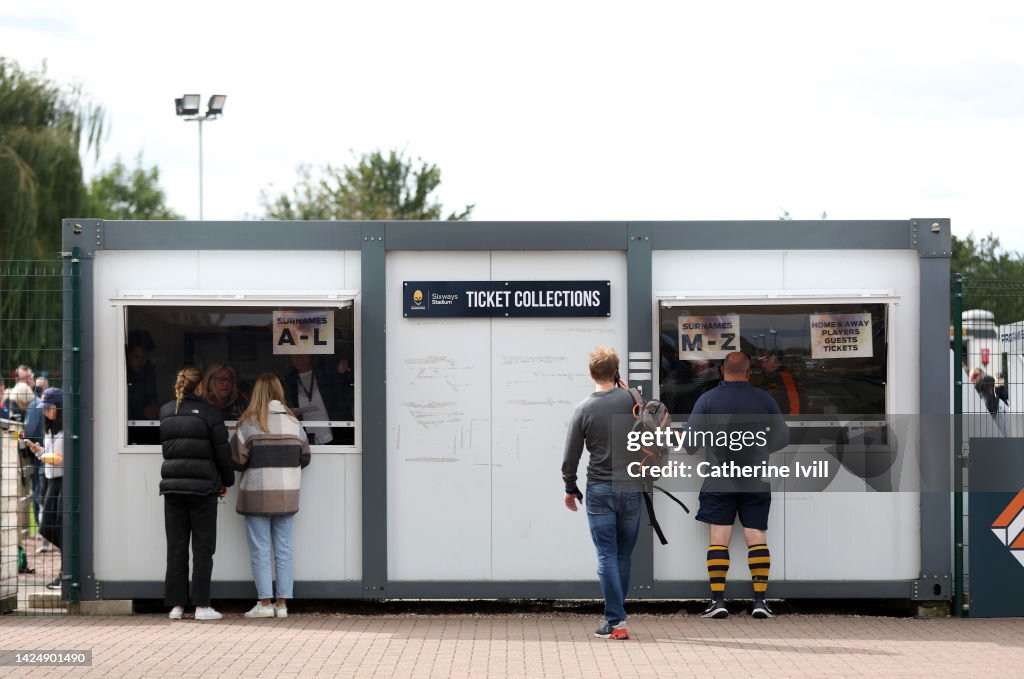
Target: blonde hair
(186, 382)
(208, 392)
(604, 363)
(267, 388)
(22, 394)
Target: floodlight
(187, 105)
(216, 105)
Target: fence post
(958, 447)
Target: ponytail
(187, 380)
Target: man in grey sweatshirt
(613, 511)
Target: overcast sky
(569, 110)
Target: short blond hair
(604, 363)
(22, 394)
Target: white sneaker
(176, 613)
(280, 611)
(207, 613)
(260, 611)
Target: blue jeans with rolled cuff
(261, 531)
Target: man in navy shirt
(753, 418)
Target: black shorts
(720, 509)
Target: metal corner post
(640, 359)
(373, 307)
(932, 240)
(73, 354)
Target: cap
(53, 397)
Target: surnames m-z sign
(506, 299)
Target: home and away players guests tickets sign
(506, 299)
(841, 336)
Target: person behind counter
(220, 389)
(270, 448)
(142, 399)
(781, 384)
(196, 471)
(320, 394)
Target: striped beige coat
(270, 463)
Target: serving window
(309, 347)
(815, 359)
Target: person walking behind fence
(195, 472)
(51, 452)
(613, 505)
(270, 448)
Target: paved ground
(528, 645)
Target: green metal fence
(987, 327)
(39, 492)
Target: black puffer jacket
(197, 457)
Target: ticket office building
(435, 463)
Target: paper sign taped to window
(841, 336)
(303, 332)
(706, 338)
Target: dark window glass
(233, 346)
(778, 339)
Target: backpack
(649, 416)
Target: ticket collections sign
(841, 335)
(708, 338)
(506, 299)
(303, 332)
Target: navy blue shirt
(732, 410)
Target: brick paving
(546, 645)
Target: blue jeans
(259, 531)
(614, 517)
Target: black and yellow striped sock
(759, 559)
(718, 567)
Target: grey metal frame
(929, 237)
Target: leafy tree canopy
(43, 128)
(993, 277)
(120, 193)
(377, 186)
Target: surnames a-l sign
(506, 299)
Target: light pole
(188, 105)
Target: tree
(381, 187)
(993, 277)
(120, 193)
(43, 128)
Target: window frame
(304, 299)
(746, 298)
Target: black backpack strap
(673, 498)
(649, 503)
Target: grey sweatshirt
(591, 425)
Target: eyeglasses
(223, 380)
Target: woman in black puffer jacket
(196, 471)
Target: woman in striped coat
(270, 448)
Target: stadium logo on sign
(1009, 527)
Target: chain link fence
(38, 460)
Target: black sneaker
(716, 610)
(54, 584)
(610, 631)
(761, 610)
